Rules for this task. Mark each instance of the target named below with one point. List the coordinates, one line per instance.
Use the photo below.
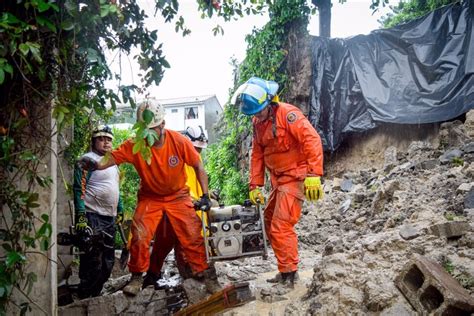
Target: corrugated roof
(184, 100)
(175, 101)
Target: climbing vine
(266, 57)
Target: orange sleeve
(302, 130)
(190, 156)
(124, 153)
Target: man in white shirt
(97, 208)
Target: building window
(191, 113)
(174, 110)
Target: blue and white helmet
(255, 95)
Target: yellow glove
(119, 219)
(256, 196)
(312, 189)
(81, 222)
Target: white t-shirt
(102, 189)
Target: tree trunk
(324, 8)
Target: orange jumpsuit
(163, 190)
(290, 148)
(165, 238)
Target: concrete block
(450, 229)
(431, 290)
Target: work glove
(87, 163)
(119, 219)
(81, 222)
(312, 189)
(204, 202)
(256, 196)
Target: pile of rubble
(372, 222)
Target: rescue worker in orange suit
(287, 145)
(165, 238)
(163, 190)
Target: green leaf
(138, 146)
(45, 217)
(14, 257)
(150, 139)
(42, 6)
(67, 25)
(35, 50)
(104, 10)
(148, 116)
(46, 22)
(24, 49)
(165, 63)
(60, 117)
(2, 75)
(8, 68)
(44, 244)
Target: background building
(179, 114)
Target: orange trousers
(186, 225)
(281, 214)
(165, 241)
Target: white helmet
(197, 136)
(103, 130)
(155, 107)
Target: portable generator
(234, 231)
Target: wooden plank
(231, 296)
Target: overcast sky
(200, 62)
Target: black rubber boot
(278, 279)
(151, 279)
(288, 279)
(211, 281)
(135, 284)
(275, 279)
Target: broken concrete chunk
(469, 199)
(408, 232)
(464, 187)
(468, 148)
(450, 229)
(429, 164)
(390, 158)
(431, 290)
(448, 156)
(346, 185)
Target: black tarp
(418, 72)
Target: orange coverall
(165, 238)
(290, 148)
(163, 190)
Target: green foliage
(457, 161)
(222, 162)
(463, 277)
(406, 11)
(129, 179)
(448, 266)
